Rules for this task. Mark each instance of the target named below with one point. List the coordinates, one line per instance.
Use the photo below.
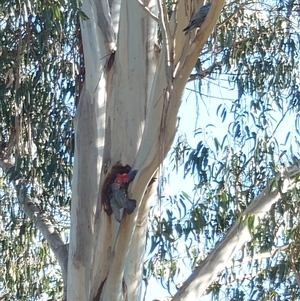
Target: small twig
(205, 72)
(234, 13)
(146, 287)
(167, 40)
(297, 276)
(280, 121)
(4, 296)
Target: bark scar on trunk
(97, 297)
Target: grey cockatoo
(119, 198)
(198, 18)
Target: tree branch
(4, 296)
(58, 247)
(168, 41)
(203, 73)
(148, 11)
(236, 237)
(248, 260)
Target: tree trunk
(126, 115)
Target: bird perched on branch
(198, 18)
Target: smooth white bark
(127, 113)
(207, 272)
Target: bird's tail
(130, 206)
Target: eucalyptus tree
(124, 70)
(126, 116)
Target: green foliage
(28, 269)
(254, 50)
(40, 65)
